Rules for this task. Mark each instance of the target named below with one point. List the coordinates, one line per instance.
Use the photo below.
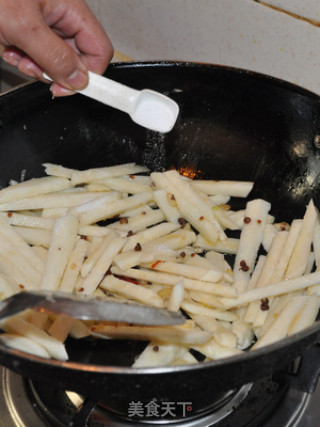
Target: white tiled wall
(309, 9)
(243, 33)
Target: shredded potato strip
(96, 251)
(168, 205)
(158, 248)
(299, 258)
(19, 277)
(8, 286)
(33, 187)
(156, 354)
(108, 210)
(18, 260)
(213, 350)
(275, 289)
(316, 248)
(164, 245)
(250, 240)
(195, 308)
(222, 335)
(52, 200)
(30, 278)
(63, 240)
(280, 265)
(224, 188)
(103, 263)
(125, 186)
(228, 246)
(97, 203)
(132, 291)
(61, 327)
(93, 231)
(306, 316)
(35, 237)
(73, 266)
(31, 221)
(176, 297)
(22, 343)
(17, 325)
(189, 271)
(139, 222)
(149, 234)
(281, 325)
(10, 237)
(267, 272)
(171, 280)
(316, 244)
(190, 205)
(58, 170)
(89, 175)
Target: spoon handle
(109, 92)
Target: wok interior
(232, 125)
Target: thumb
(55, 57)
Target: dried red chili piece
(183, 254)
(138, 247)
(124, 220)
(182, 221)
(246, 220)
(156, 263)
(10, 214)
(243, 265)
(283, 226)
(128, 279)
(259, 221)
(264, 306)
(155, 348)
(130, 233)
(201, 218)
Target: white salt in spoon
(145, 107)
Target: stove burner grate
(264, 403)
(250, 406)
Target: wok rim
(187, 64)
(246, 356)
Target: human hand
(59, 37)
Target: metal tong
(88, 308)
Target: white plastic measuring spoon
(146, 107)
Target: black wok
(233, 124)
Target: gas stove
(286, 399)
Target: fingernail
(29, 68)
(11, 57)
(57, 91)
(77, 80)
